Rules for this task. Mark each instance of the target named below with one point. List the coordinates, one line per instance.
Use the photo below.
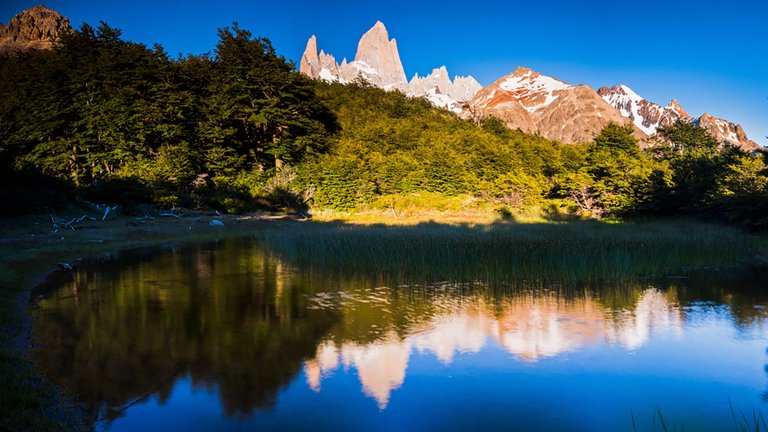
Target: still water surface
(228, 337)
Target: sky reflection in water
(227, 336)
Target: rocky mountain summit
(376, 51)
(441, 91)
(34, 28)
(378, 62)
(541, 104)
(649, 116)
(646, 115)
(726, 132)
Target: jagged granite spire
(377, 61)
(377, 51)
(310, 63)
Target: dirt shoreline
(21, 340)
(167, 231)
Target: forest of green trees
(105, 120)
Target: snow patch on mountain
(363, 67)
(533, 82)
(442, 101)
(646, 115)
(327, 75)
(533, 87)
(649, 117)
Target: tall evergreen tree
(266, 111)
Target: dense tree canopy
(108, 120)
(123, 121)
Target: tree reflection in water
(228, 316)
(234, 318)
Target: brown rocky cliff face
(537, 103)
(726, 132)
(579, 115)
(491, 102)
(35, 28)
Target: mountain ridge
(649, 116)
(377, 60)
(530, 103)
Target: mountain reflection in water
(529, 326)
(233, 319)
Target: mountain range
(649, 116)
(523, 99)
(378, 62)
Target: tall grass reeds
(515, 253)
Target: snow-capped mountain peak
(378, 62)
(646, 115)
(528, 80)
(674, 105)
(541, 104)
(649, 116)
(533, 90)
(630, 93)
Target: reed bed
(515, 253)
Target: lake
(232, 336)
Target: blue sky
(710, 55)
